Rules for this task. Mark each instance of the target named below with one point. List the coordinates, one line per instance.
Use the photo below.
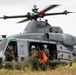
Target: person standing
(46, 52)
(33, 57)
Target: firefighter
(34, 57)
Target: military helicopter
(38, 33)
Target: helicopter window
(46, 36)
(73, 39)
(50, 29)
(74, 54)
(56, 32)
(22, 58)
(3, 44)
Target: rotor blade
(7, 17)
(67, 12)
(1, 17)
(23, 20)
(60, 13)
(49, 7)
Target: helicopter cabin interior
(11, 51)
(51, 46)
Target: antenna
(35, 9)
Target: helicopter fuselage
(38, 33)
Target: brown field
(60, 70)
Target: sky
(22, 7)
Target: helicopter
(38, 33)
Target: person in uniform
(7, 54)
(10, 55)
(34, 57)
(47, 52)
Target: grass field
(60, 70)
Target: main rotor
(35, 15)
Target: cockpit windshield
(3, 44)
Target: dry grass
(60, 70)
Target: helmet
(44, 46)
(10, 47)
(33, 47)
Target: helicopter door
(52, 48)
(22, 51)
(11, 51)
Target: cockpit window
(3, 44)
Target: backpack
(42, 57)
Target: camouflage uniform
(13, 55)
(9, 53)
(34, 58)
(47, 53)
